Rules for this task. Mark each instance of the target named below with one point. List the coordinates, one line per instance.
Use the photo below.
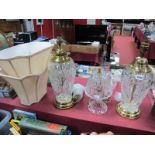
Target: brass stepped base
(127, 114)
(64, 105)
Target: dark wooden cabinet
(66, 29)
(10, 26)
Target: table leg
(135, 38)
(138, 44)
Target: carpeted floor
(126, 47)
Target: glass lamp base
(124, 113)
(97, 107)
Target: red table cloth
(140, 36)
(79, 119)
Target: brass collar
(140, 65)
(60, 56)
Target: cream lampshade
(25, 67)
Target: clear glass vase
(99, 88)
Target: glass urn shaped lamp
(137, 79)
(62, 75)
(99, 90)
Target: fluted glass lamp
(137, 79)
(62, 75)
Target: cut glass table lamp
(136, 81)
(62, 75)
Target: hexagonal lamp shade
(25, 67)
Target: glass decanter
(136, 80)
